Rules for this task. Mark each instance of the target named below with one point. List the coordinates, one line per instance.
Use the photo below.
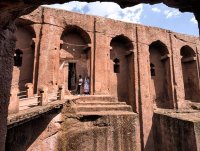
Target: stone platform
(177, 130)
(95, 123)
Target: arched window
(116, 65)
(18, 58)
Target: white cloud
(104, 9)
(172, 13)
(193, 20)
(155, 9)
(70, 6)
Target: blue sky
(158, 15)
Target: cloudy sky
(158, 15)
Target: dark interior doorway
(72, 76)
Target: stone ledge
(184, 115)
(27, 115)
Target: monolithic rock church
(144, 86)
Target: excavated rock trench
(10, 10)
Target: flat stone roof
(185, 115)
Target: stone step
(93, 98)
(92, 108)
(106, 113)
(100, 103)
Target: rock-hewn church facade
(146, 67)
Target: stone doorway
(72, 76)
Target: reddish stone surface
(153, 71)
(176, 128)
(82, 123)
(11, 10)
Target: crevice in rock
(102, 124)
(51, 135)
(89, 118)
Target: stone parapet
(176, 130)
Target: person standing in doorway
(86, 85)
(80, 83)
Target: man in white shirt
(80, 83)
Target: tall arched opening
(75, 56)
(190, 73)
(160, 81)
(24, 57)
(121, 65)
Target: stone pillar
(43, 93)
(198, 63)
(14, 101)
(29, 89)
(145, 102)
(179, 93)
(61, 92)
(102, 58)
(49, 56)
(92, 67)
(66, 69)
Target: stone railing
(27, 99)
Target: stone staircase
(100, 123)
(87, 105)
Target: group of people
(85, 83)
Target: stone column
(29, 89)
(179, 93)
(49, 45)
(145, 102)
(102, 64)
(7, 45)
(43, 93)
(14, 101)
(198, 64)
(61, 92)
(92, 67)
(66, 69)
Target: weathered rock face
(76, 128)
(176, 130)
(7, 43)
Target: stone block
(43, 93)
(29, 89)
(14, 101)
